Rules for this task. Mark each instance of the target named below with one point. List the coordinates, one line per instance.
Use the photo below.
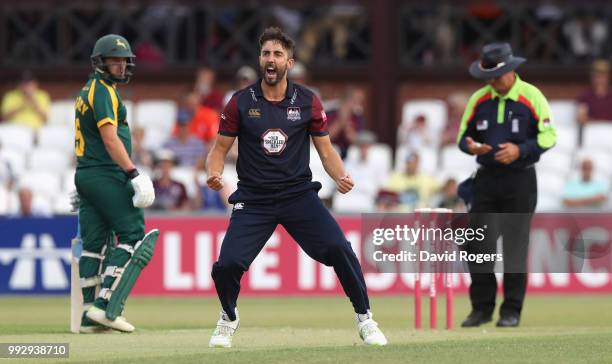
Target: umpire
(506, 124)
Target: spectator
(586, 34)
(186, 147)
(29, 206)
(148, 53)
(7, 177)
(586, 192)
(448, 198)
(207, 199)
(595, 104)
(549, 16)
(347, 120)
(7, 174)
(445, 38)
(299, 74)
(140, 155)
(290, 19)
(365, 171)
(205, 89)
(415, 189)
(245, 76)
(337, 21)
(416, 136)
(170, 195)
(373, 170)
(387, 201)
(204, 121)
(27, 104)
(485, 13)
(456, 103)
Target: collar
(513, 94)
(99, 77)
(259, 91)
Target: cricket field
(554, 329)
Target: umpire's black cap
(495, 60)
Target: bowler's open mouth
(270, 71)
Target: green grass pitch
(554, 329)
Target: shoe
(225, 330)
(508, 320)
(89, 326)
(95, 329)
(475, 319)
(99, 315)
(369, 331)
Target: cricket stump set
(434, 218)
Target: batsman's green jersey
(98, 103)
(105, 190)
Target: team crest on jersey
(482, 125)
(547, 123)
(274, 141)
(293, 113)
(255, 113)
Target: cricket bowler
(274, 120)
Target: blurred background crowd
(392, 76)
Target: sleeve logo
(482, 125)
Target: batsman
(111, 191)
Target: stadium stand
(44, 159)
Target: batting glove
(75, 201)
(144, 194)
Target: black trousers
(308, 222)
(504, 201)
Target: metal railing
(547, 33)
(224, 34)
(181, 33)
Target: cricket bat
(76, 295)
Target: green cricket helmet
(112, 45)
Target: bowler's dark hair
(276, 34)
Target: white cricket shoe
(120, 323)
(369, 331)
(222, 336)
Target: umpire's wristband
(132, 173)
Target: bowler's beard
(281, 73)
